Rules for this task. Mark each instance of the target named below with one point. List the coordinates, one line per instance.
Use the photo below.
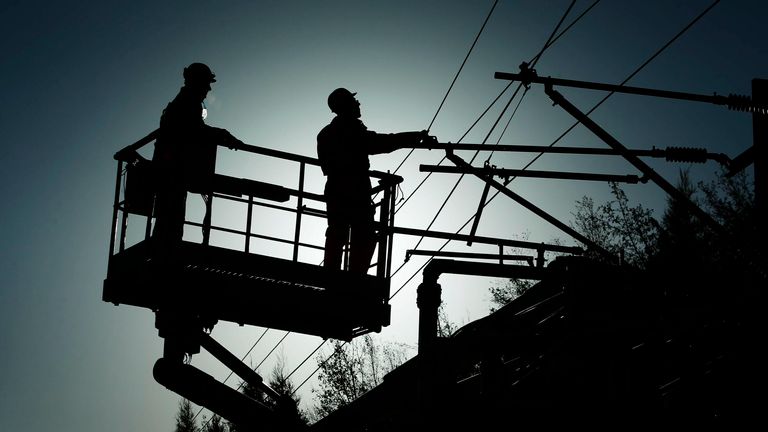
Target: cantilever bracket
(461, 163)
(732, 101)
(559, 99)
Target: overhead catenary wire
(232, 372)
(270, 352)
(506, 126)
(317, 368)
(461, 177)
(535, 59)
(306, 358)
(635, 72)
(416, 273)
(462, 65)
(242, 383)
(498, 119)
(554, 36)
(450, 87)
(480, 117)
(503, 91)
(507, 182)
(658, 52)
(297, 367)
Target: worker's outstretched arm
(386, 143)
(223, 137)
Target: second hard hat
(199, 72)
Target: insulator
(744, 103)
(686, 154)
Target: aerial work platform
(246, 288)
(212, 283)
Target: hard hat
(199, 72)
(339, 97)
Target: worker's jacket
(343, 148)
(185, 150)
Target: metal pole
(670, 153)
(207, 219)
(530, 77)
(390, 234)
(519, 148)
(123, 227)
(428, 301)
(487, 240)
(506, 172)
(501, 256)
(248, 224)
(115, 207)
(148, 227)
(381, 261)
(760, 136)
(300, 202)
(479, 212)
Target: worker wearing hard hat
(185, 151)
(343, 147)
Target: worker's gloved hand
(222, 137)
(230, 141)
(236, 144)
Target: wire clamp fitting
(527, 75)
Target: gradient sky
(84, 79)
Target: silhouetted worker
(343, 147)
(185, 152)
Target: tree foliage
(510, 289)
(214, 424)
(353, 368)
(505, 291)
(731, 201)
(684, 242)
(702, 261)
(678, 244)
(286, 406)
(445, 327)
(628, 232)
(185, 418)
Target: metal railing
(134, 194)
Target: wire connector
(527, 74)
